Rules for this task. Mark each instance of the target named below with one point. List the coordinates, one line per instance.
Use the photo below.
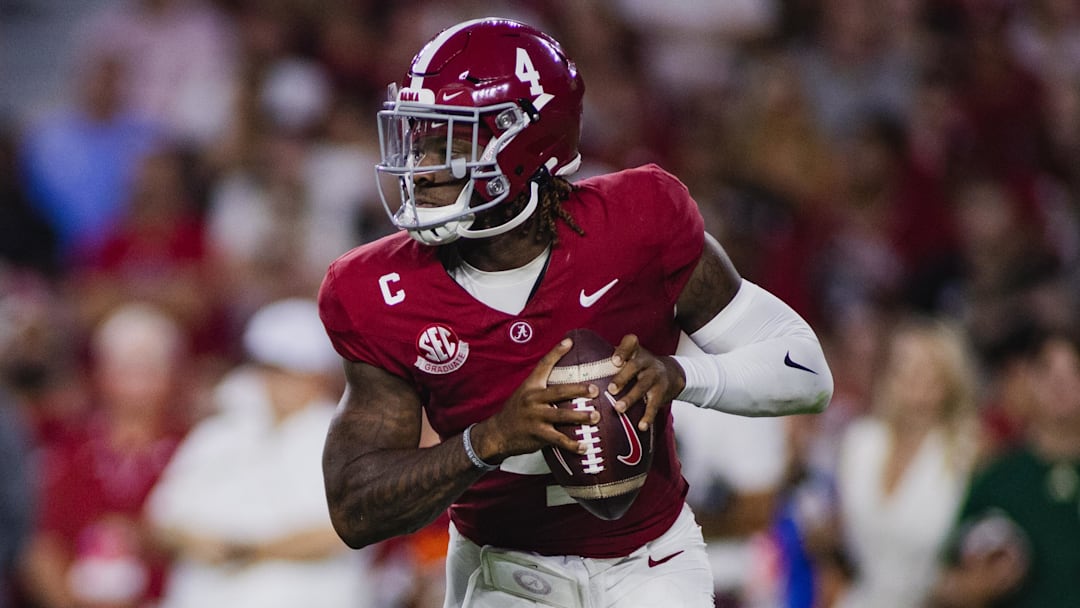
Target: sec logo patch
(439, 349)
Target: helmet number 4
(525, 72)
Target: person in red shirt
(157, 253)
(91, 548)
(462, 316)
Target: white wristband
(471, 453)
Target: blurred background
(904, 173)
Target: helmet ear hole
(497, 186)
(508, 118)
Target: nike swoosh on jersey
(588, 300)
(788, 362)
(663, 560)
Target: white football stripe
(601, 491)
(583, 372)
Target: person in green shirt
(1017, 540)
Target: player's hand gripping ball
(606, 479)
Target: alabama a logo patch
(440, 350)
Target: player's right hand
(527, 420)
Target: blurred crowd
(904, 173)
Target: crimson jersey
(391, 304)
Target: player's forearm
(760, 358)
(774, 377)
(391, 492)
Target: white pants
(672, 571)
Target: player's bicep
(378, 411)
(711, 287)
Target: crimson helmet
(494, 104)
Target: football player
(462, 315)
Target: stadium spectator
(1006, 276)
(91, 547)
(79, 162)
(156, 254)
(181, 58)
(902, 470)
(1017, 540)
(241, 506)
(854, 67)
(734, 467)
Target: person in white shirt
(242, 503)
(903, 469)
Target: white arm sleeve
(761, 359)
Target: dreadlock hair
(553, 191)
(549, 210)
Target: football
(606, 479)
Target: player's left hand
(658, 380)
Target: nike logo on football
(663, 560)
(634, 457)
(449, 96)
(788, 362)
(588, 300)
